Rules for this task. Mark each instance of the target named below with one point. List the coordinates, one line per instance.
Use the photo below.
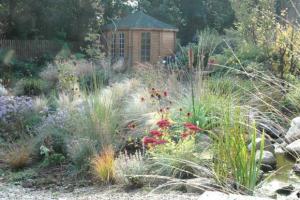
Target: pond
(282, 177)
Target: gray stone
(294, 148)
(287, 190)
(268, 146)
(296, 169)
(268, 159)
(294, 131)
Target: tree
(68, 19)
(191, 16)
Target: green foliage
(193, 16)
(13, 69)
(290, 102)
(231, 156)
(30, 87)
(22, 175)
(81, 155)
(255, 20)
(92, 82)
(63, 20)
(178, 160)
(53, 160)
(208, 40)
(51, 141)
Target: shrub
(130, 169)
(291, 101)
(18, 156)
(30, 87)
(17, 117)
(53, 141)
(52, 159)
(22, 175)
(81, 154)
(103, 165)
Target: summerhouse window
(145, 46)
(113, 45)
(122, 44)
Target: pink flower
(164, 123)
(192, 127)
(156, 133)
(184, 135)
(159, 142)
(149, 140)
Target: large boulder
(294, 131)
(294, 148)
(268, 146)
(265, 124)
(268, 161)
(296, 169)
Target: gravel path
(12, 192)
(9, 192)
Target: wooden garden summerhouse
(139, 38)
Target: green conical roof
(138, 20)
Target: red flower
(156, 133)
(192, 127)
(165, 93)
(164, 123)
(149, 140)
(131, 126)
(158, 142)
(184, 135)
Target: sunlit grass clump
(17, 156)
(103, 165)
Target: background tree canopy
(191, 16)
(71, 20)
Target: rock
(28, 183)
(200, 185)
(204, 141)
(265, 124)
(293, 133)
(268, 146)
(294, 148)
(278, 149)
(296, 169)
(287, 190)
(268, 160)
(266, 168)
(294, 196)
